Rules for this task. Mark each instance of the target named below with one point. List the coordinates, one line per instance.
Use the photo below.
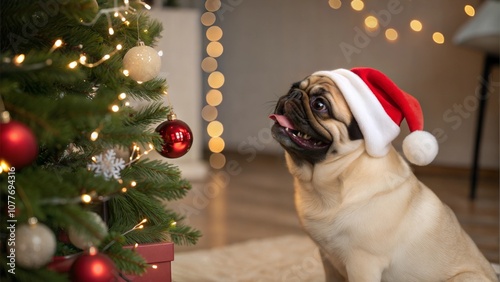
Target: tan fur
(371, 217)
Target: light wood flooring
(253, 198)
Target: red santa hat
(379, 106)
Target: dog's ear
(354, 130)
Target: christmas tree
(72, 150)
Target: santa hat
(379, 106)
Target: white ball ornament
(35, 245)
(84, 241)
(142, 63)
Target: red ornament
(177, 137)
(19, 146)
(93, 267)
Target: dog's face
(314, 121)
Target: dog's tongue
(282, 120)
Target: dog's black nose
(295, 94)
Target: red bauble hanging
(18, 143)
(177, 137)
(93, 267)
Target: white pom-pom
(420, 147)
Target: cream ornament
(142, 63)
(84, 241)
(35, 245)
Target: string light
(19, 59)
(391, 34)
(86, 198)
(83, 59)
(438, 37)
(94, 136)
(56, 45)
(335, 4)
(357, 5)
(416, 25)
(215, 81)
(469, 10)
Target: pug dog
(356, 196)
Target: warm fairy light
(469, 10)
(119, 47)
(217, 160)
(73, 65)
(160, 53)
(209, 113)
(391, 34)
(173, 224)
(125, 72)
(215, 129)
(215, 49)
(83, 59)
(335, 4)
(124, 190)
(58, 43)
(122, 96)
(212, 5)
(86, 198)
(214, 97)
(214, 33)
(216, 145)
(115, 108)
(111, 31)
(4, 166)
(438, 37)
(371, 22)
(94, 159)
(133, 184)
(416, 25)
(127, 103)
(154, 266)
(209, 64)
(19, 59)
(357, 5)
(107, 56)
(216, 80)
(136, 245)
(94, 135)
(208, 18)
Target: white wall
(268, 45)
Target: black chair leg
(490, 61)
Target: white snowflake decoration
(107, 165)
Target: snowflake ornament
(107, 165)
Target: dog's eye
(318, 104)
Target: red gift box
(158, 256)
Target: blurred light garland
(215, 81)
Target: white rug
(289, 258)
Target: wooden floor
(253, 198)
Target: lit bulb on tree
(177, 137)
(142, 63)
(35, 244)
(18, 143)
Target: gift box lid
(155, 252)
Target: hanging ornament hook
(171, 115)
